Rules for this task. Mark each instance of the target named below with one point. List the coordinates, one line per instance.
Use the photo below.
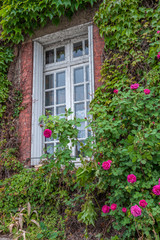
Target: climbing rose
(153, 122)
(143, 203)
(105, 209)
(134, 86)
(115, 91)
(98, 163)
(147, 91)
(158, 55)
(113, 206)
(131, 178)
(159, 203)
(106, 165)
(124, 209)
(47, 133)
(135, 211)
(109, 161)
(159, 181)
(158, 31)
(156, 190)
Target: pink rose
(146, 91)
(113, 206)
(106, 165)
(124, 209)
(115, 91)
(159, 203)
(105, 209)
(131, 178)
(113, 119)
(153, 122)
(109, 161)
(156, 190)
(158, 55)
(159, 181)
(158, 31)
(134, 86)
(143, 203)
(98, 163)
(136, 211)
(47, 133)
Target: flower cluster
(136, 85)
(113, 207)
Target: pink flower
(143, 203)
(115, 91)
(106, 165)
(146, 91)
(124, 209)
(158, 31)
(158, 55)
(113, 206)
(98, 163)
(131, 178)
(136, 211)
(159, 181)
(47, 133)
(109, 161)
(156, 190)
(113, 119)
(105, 209)
(153, 122)
(134, 86)
(159, 203)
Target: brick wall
(25, 117)
(26, 77)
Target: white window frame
(76, 33)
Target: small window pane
(60, 110)
(60, 54)
(60, 96)
(50, 56)
(49, 148)
(78, 147)
(81, 133)
(79, 110)
(49, 111)
(87, 91)
(79, 93)
(60, 79)
(49, 83)
(49, 98)
(87, 73)
(78, 75)
(77, 49)
(86, 47)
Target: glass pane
(78, 147)
(49, 148)
(60, 54)
(87, 91)
(49, 98)
(60, 79)
(88, 130)
(60, 110)
(81, 133)
(79, 93)
(49, 139)
(86, 47)
(50, 56)
(49, 111)
(78, 75)
(88, 108)
(49, 82)
(87, 73)
(77, 49)
(60, 98)
(79, 110)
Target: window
(63, 76)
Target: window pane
(60, 54)
(87, 91)
(49, 111)
(49, 98)
(50, 56)
(78, 147)
(78, 75)
(81, 133)
(86, 47)
(79, 93)
(77, 49)
(79, 110)
(60, 96)
(60, 79)
(87, 73)
(49, 82)
(49, 148)
(60, 110)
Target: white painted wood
(91, 58)
(37, 103)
